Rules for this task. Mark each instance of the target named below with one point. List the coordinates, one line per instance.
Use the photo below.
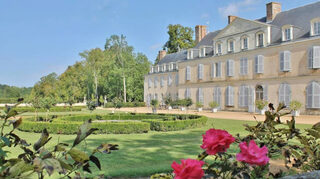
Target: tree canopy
(179, 37)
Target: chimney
(273, 8)
(201, 31)
(161, 54)
(231, 19)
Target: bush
(53, 109)
(199, 105)
(260, 104)
(127, 104)
(8, 100)
(144, 123)
(175, 125)
(213, 104)
(295, 105)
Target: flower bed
(131, 123)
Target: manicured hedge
(53, 109)
(72, 128)
(175, 125)
(142, 123)
(127, 104)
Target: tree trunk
(124, 89)
(96, 83)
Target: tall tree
(120, 47)
(179, 37)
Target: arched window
(315, 26)
(243, 96)
(285, 94)
(260, 39)
(313, 95)
(219, 48)
(259, 92)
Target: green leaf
(6, 141)
(19, 168)
(11, 113)
(84, 131)
(78, 155)
(314, 133)
(65, 165)
(51, 165)
(42, 141)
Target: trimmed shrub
(127, 104)
(53, 109)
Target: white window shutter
(200, 71)
(155, 82)
(217, 96)
(316, 57)
(281, 61)
(188, 73)
(200, 96)
(316, 93)
(219, 69)
(230, 68)
(287, 60)
(256, 64)
(310, 59)
(169, 80)
(212, 70)
(261, 65)
(265, 92)
(177, 79)
(231, 96)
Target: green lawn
(146, 154)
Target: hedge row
(175, 125)
(72, 128)
(53, 109)
(127, 104)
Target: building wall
(298, 77)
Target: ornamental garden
(79, 142)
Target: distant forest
(7, 91)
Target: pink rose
(216, 140)
(252, 154)
(189, 169)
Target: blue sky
(38, 37)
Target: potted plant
(168, 102)
(261, 104)
(295, 106)
(188, 102)
(155, 105)
(199, 106)
(214, 105)
(182, 104)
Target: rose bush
(188, 169)
(216, 140)
(252, 154)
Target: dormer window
(190, 54)
(315, 26)
(244, 43)
(230, 46)
(260, 39)
(287, 33)
(202, 52)
(219, 50)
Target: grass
(146, 154)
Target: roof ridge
(299, 7)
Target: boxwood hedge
(53, 109)
(117, 123)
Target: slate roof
(298, 17)
(174, 57)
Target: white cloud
(233, 8)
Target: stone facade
(248, 60)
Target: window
(230, 46)
(190, 54)
(229, 96)
(202, 52)
(218, 69)
(219, 48)
(260, 39)
(244, 43)
(169, 80)
(287, 31)
(243, 96)
(315, 26)
(217, 95)
(156, 96)
(314, 57)
(200, 96)
(155, 82)
(285, 94)
(149, 82)
(243, 66)
(167, 67)
(230, 68)
(188, 93)
(177, 79)
(188, 73)
(285, 61)
(151, 69)
(161, 81)
(259, 92)
(313, 95)
(258, 64)
(200, 71)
